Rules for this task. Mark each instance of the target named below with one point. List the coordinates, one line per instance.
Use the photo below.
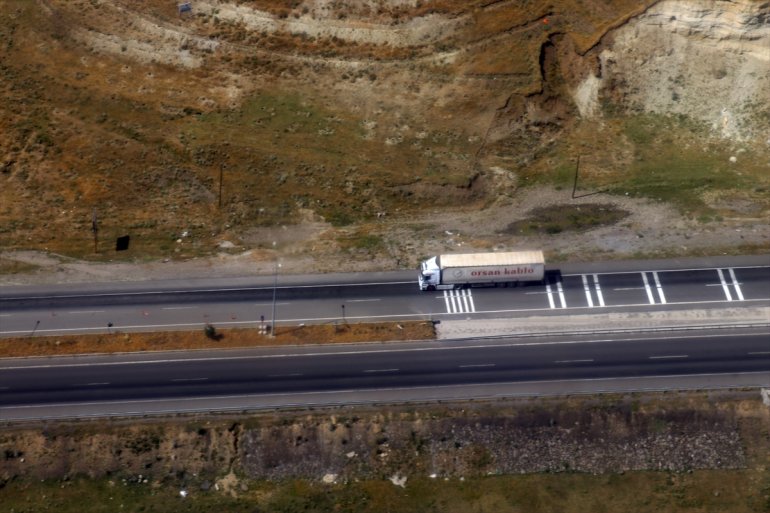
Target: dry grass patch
(230, 338)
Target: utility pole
(577, 170)
(221, 176)
(275, 289)
(95, 229)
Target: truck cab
(430, 274)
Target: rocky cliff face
(709, 60)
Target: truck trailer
(460, 270)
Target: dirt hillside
(380, 132)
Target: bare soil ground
(372, 135)
(650, 229)
(638, 452)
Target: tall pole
(275, 289)
(221, 173)
(577, 170)
(95, 229)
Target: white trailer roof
(489, 259)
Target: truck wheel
(431, 287)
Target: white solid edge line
(676, 270)
(353, 390)
(268, 287)
(422, 316)
(194, 291)
(352, 352)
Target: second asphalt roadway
(154, 383)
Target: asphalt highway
(111, 378)
(130, 384)
(189, 304)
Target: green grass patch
(561, 218)
(670, 159)
(362, 241)
(705, 491)
(284, 152)
(676, 163)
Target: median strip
(119, 341)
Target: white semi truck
(459, 270)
